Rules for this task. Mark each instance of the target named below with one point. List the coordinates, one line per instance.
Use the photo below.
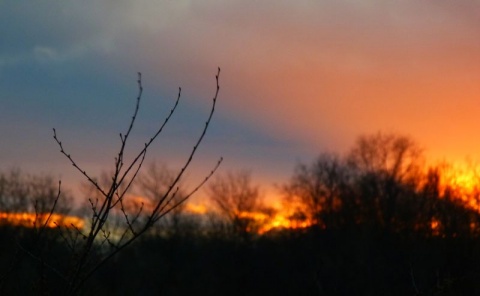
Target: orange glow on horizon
(199, 209)
(30, 220)
(464, 177)
(281, 221)
(280, 217)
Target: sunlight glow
(435, 226)
(38, 220)
(282, 217)
(282, 221)
(198, 209)
(279, 219)
(465, 179)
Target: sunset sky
(298, 78)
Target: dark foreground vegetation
(358, 261)
(381, 224)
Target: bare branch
(192, 153)
(200, 185)
(84, 173)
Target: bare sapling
(92, 246)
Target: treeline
(381, 223)
(384, 184)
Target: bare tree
(151, 186)
(14, 191)
(236, 199)
(388, 169)
(43, 194)
(26, 193)
(92, 247)
(320, 189)
(373, 182)
(393, 156)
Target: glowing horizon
(463, 179)
(31, 220)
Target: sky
(297, 78)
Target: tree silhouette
(388, 168)
(14, 191)
(321, 189)
(151, 186)
(236, 199)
